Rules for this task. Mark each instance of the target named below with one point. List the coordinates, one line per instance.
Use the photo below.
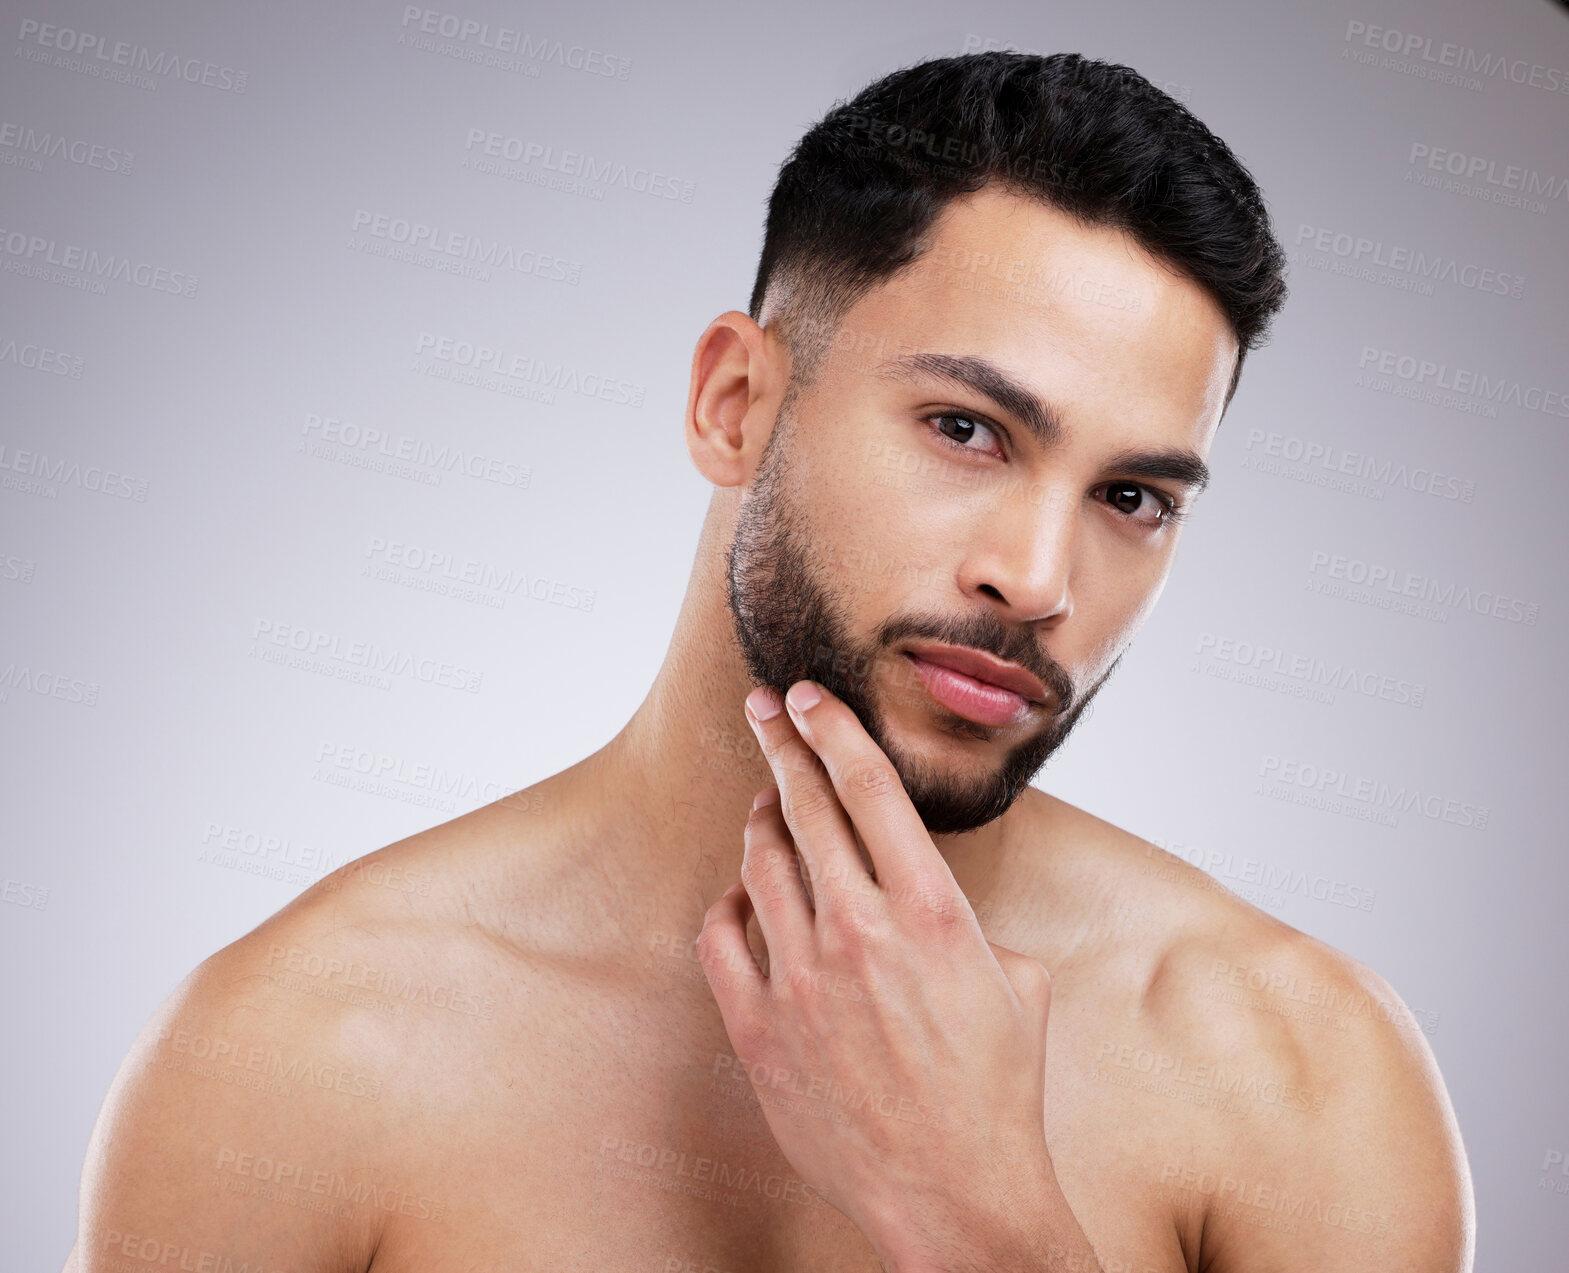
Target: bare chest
(622, 1132)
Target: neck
(680, 777)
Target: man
(825, 984)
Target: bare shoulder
(242, 1107)
(1317, 1133)
(280, 1091)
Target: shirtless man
(908, 1012)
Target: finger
(771, 872)
(1029, 979)
(818, 824)
(728, 963)
(871, 792)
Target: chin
(925, 724)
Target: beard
(792, 625)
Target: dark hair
(856, 197)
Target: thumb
(1028, 977)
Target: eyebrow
(987, 379)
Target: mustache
(985, 632)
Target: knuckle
(763, 823)
(935, 905)
(871, 780)
(810, 802)
(1030, 970)
(850, 933)
(800, 762)
(752, 1036)
(786, 982)
(757, 872)
(1032, 980)
(707, 943)
(941, 911)
(806, 992)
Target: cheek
(1113, 595)
(881, 565)
(890, 534)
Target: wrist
(1027, 1228)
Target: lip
(994, 693)
(983, 667)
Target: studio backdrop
(343, 356)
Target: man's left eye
(964, 429)
(1138, 503)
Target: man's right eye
(965, 430)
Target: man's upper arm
(233, 1135)
(1364, 1169)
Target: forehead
(1084, 315)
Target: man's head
(1003, 304)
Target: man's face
(904, 502)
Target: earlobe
(728, 399)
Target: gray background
(154, 704)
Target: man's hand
(913, 1050)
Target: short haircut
(857, 196)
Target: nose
(1024, 554)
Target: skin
(614, 1064)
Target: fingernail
(763, 703)
(767, 796)
(803, 696)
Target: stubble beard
(791, 625)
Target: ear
(739, 373)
